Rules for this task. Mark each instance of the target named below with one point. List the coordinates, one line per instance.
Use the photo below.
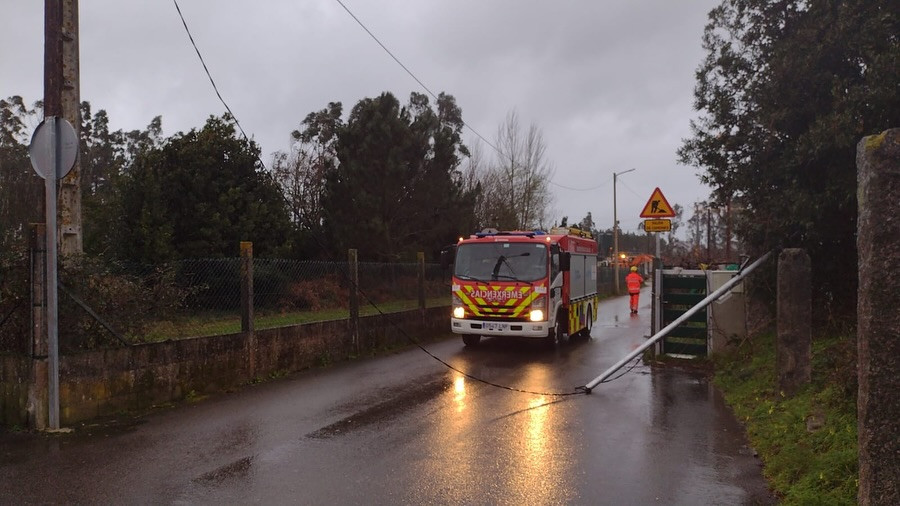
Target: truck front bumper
(493, 328)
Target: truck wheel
(554, 335)
(586, 331)
(471, 339)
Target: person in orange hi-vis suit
(634, 281)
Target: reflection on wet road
(403, 429)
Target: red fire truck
(530, 284)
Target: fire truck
(530, 284)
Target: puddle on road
(384, 411)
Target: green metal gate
(680, 292)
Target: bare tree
(517, 189)
(301, 175)
(474, 181)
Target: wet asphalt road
(403, 429)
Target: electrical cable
(405, 68)
(356, 285)
(592, 188)
(629, 189)
(455, 369)
(205, 68)
(634, 364)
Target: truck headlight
(536, 315)
(459, 312)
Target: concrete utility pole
(62, 98)
(616, 230)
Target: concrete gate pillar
(794, 337)
(878, 313)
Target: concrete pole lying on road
(668, 328)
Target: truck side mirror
(565, 261)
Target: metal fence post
(656, 291)
(353, 268)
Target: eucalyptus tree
(393, 184)
(199, 194)
(21, 189)
(785, 92)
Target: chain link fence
(606, 279)
(109, 305)
(15, 315)
(104, 304)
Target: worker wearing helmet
(634, 281)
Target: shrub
(323, 293)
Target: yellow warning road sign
(662, 225)
(657, 206)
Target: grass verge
(807, 442)
(222, 324)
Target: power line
(592, 188)
(399, 329)
(206, 69)
(404, 67)
(632, 191)
(411, 74)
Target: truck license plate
(494, 326)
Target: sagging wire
(455, 369)
(354, 285)
(405, 68)
(206, 69)
(637, 360)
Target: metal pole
(52, 305)
(678, 321)
(615, 237)
(616, 229)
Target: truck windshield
(501, 261)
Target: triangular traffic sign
(657, 206)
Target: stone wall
(14, 374)
(105, 382)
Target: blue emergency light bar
(493, 232)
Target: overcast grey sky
(608, 82)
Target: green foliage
(315, 295)
(817, 466)
(787, 90)
(198, 196)
(105, 157)
(15, 315)
(21, 189)
(392, 180)
(131, 302)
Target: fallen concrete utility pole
(668, 328)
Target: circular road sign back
(66, 149)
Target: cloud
(609, 83)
